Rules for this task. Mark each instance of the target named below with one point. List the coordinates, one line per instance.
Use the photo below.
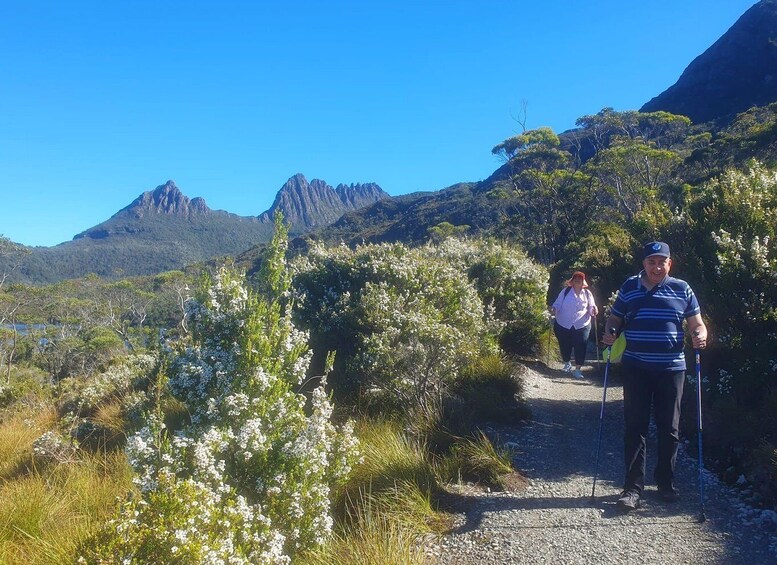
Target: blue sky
(101, 101)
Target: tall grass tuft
(44, 516)
(477, 459)
(46, 511)
(389, 457)
(387, 506)
(491, 390)
(376, 537)
(18, 431)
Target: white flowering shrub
(405, 321)
(120, 390)
(730, 237)
(401, 320)
(249, 479)
(120, 379)
(740, 211)
(510, 284)
(52, 448)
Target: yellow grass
(378, 537)
(17, 432)
(45, 514)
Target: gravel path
(553, 519)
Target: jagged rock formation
(166, 199)
(737, 72)
(306, 205)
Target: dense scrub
(236, 451)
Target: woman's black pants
(569, 339)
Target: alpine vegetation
(405, 322)
(248, 478)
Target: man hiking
(650, 309)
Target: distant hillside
(312, 205)
(737, 72)
(163, 229)
(408, 218)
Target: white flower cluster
(51, 447)
(118, 380)
(725, 382)
(256, 466)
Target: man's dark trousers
(664, 389)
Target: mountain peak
(737, 72)
(312, 204)
(166, 199)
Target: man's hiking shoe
(628, 501)
(577, 374)
(668, 494)
(567, 367)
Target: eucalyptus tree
(554, 200)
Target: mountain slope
(737, 72)
(408, 218)
(161, 230)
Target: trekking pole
(596, 340)
(608, 351)
(550, 331)
(702, 515)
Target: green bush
(491, 390)
(403, 321)
(510, 285)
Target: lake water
(23, 329)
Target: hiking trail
(553, 520)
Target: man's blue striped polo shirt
(653, 322)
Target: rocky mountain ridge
(166, 199)
(306, 205)
(735, 73)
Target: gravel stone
(554, 521)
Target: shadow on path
(475, 510)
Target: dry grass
(44, 516)
(387, 507)
(378, 536)
(45, 513)
(17, 433)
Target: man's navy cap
(655, 248)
